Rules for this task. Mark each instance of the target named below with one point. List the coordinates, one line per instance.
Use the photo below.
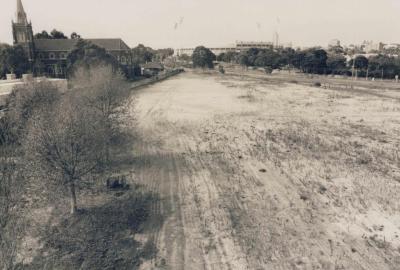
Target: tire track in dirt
(163, 177)
(164, 228)
(230, 199)
(189, 238)
(212, 217)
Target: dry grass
(250, 95)
(101, 236)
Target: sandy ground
(255, 174)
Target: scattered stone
(317, 84)
(322, 189)
(118, 182)
(119, 194)
(353, 250)
(304, 197)
(263, 170)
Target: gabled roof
(110, 44)
(55, 44)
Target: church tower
(22, 31)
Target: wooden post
(73, 197)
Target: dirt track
(261, 175)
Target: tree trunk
(73, 198)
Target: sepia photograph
(199, 135)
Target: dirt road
(260, 175)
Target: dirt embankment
(269, 175)
(238, 172)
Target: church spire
(20, 14)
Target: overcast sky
(186, 23)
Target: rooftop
(110, 44)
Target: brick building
(49, 56)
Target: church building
(50, 55)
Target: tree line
(54, 143)
(312, 60)
(13, 59)
(55, 34)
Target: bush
(22, 104)
(221, 69)
(317, 84)
(203, 57)
(268, 70)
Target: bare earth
(255, 174)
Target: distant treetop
(55, 34)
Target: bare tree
(107, 92)
(103, 89)
(66, 142)
(24, 101)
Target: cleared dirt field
(262, 174)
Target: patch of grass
(149, 250)
(317, 84)
(100, 237)
(250, 95)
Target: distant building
(245, 45)
(334, 43)
(276, 39)
(184, 51)
(152, 68)
(215, 50)
(392, 46)
(238, 47)
(52, 53)
(370, 46)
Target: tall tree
(360, 62)
(384, 66)
(203, 57)
(267, 58)
(252, 54)
(106, 92)
(299, 59)
(74, 35)
(13, 59)
(64, 143)
(24, 101)
(42, 35)
(221, 57)
(315, 60)
(55, 34)
(336, 63)
(286, 57)
(230, 56)
(142, 54)
(243, 59)
(86, 54)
